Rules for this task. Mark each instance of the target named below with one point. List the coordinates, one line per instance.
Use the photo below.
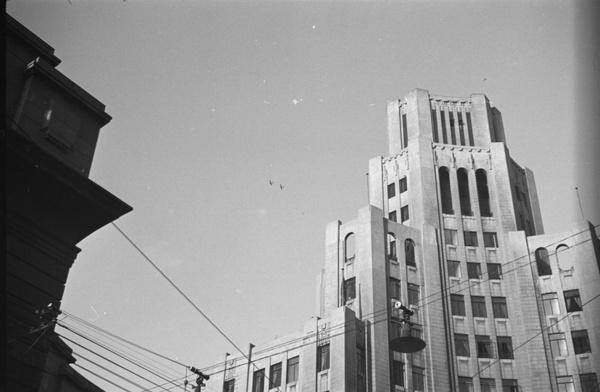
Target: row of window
(391, 188)
(478, 307)
(589, 383)
(484, 346)
(447, 120)
(542, 260)
(404, 215)
(258, 381)
(465, 384)
(409, 250)
(463, 191)
(572, 302)
(398, 374)
(474, 270)
(490, 239)
(581, 343)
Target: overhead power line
(186, 297)
(339, 326)
(373, 314)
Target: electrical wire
(270, 349)
(159, 373)
(375, 313)
(185, 296)
(116, 337)
(535, 336)
(108, 370)
(151, 371)
(109, 360)
(102, 378)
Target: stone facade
(453, 231)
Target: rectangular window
(484, 346)
(454, 269)
(458, 304)
(349, 289)
(505, 348)
(565, 384)
(418, 378)
(572, 301)
(474, 270)
(394, 288)
(392, 216)
(403, 185)
(490, 240)
(391, 189)
(488, 385)
(434, 126)
(589, 382)
(258, 382)
(510, 385)
(550, 301)
(322, 358)
(404, 213)
(465, 384)
(470, 130)
(461, 131)
(360, 360)
(471, 238)
(443, 118)
(229, 385)
(413, 294)
(450, 236)
(398, 372)
(499, 307)
(494, 271)
(293, 366)
(478, 306)
(558, 345)
(452, 132)
(461, 341)
(404, 131)
(275, 376)
(581, 342)
(392, 254)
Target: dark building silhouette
(51, 129)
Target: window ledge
(458, 317)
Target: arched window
(409, 252)
(445, 191)
(463, 192)
(543, 262)
(349, 250)
(392, 247)
(564, 258)
(483, 192)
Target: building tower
(453, 231)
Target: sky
(212, 100)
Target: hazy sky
(212, 99)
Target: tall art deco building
(453, 232)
